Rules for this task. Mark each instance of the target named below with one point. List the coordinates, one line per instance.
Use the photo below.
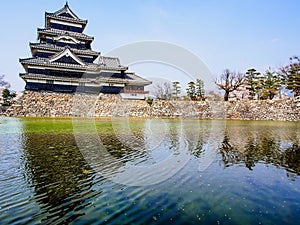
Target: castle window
(66, 27)
(49, 81)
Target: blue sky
(230, 34)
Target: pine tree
(191, 90)
(7, 96)
(200, 92)
(293, 81)
(252, 82)
(176, 89)
(270, 85)
(291, 76)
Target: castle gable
(66, 56)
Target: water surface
(226, 172)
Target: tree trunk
(280, 94)
(251, 94)
(226, 96)
(296, 92)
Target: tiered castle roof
(65, 14)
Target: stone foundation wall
(47, 104)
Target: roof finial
(67, 3)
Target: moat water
(149, 171)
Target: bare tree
(229, 82)
(214, 96)
(163, 91)
(4, 83)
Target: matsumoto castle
(63, 61)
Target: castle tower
(63, 61)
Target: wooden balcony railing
(136, 91)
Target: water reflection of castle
(59, 174)
(63, 61)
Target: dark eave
(49, 16)
(67, 19)
(55, 48)
(46, 63)
(97, 80)
(89, 67)
(56, 32)
(137, 80)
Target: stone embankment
(47, 104)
